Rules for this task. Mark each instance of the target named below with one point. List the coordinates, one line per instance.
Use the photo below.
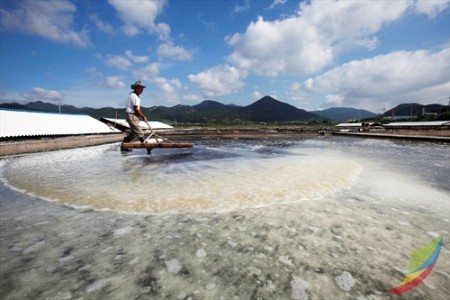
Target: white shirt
(132, 101)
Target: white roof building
(357, 124)
(17, 123)
(418, 124)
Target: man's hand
(138, 111)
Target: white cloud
(308, 42)
(52, 20)
(136, 59)
(125, 62)
(175, 52)
(138, 14)
(147, 73)
(115, 82)
(333, 100)
(193, 98)
(219, 80)
(93, 72)
(167, 85)
(42, 94)
(242, 8)
(118, 62)
(101, 26)
(256, 95)
(384, 80)
(431, 7)
(277, 2)
(167, 90)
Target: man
(133, 112)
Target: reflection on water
(224, 220)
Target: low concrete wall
(57, 143)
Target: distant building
(18, 123)
(357, 126)
(418, 125)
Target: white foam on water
(101, 180)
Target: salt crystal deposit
(299, 289)
(345, 281)
(237, 219)
(173, 266)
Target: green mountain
(414, 110)
(340, 114)
(266, 109)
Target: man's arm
(138, 111)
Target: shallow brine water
(231, 219)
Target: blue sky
(314, 55)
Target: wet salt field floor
(235, 219)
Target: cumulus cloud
(100, 25)
(115, 82)
(176, 52)
(168, 90)
(118, 62)
(42, 94)
(167, 85)
(431, 8)
(384, 80)
(52, 20)
(140, 14)
(308, 42)
(193, 98)
(163, 90)
(135, 58)
(219, 80)
(125, 62)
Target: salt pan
(285, 260)
(97, 285)
(433, 234)
(66, 258)
(254, 270)
(33, 247)
(232, 243)
(123, 230)
(134, 261)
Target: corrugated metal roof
(16, 123)
(349, 125)
(355, 124)
(143, 125)
(414, 124)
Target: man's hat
(137, 84)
